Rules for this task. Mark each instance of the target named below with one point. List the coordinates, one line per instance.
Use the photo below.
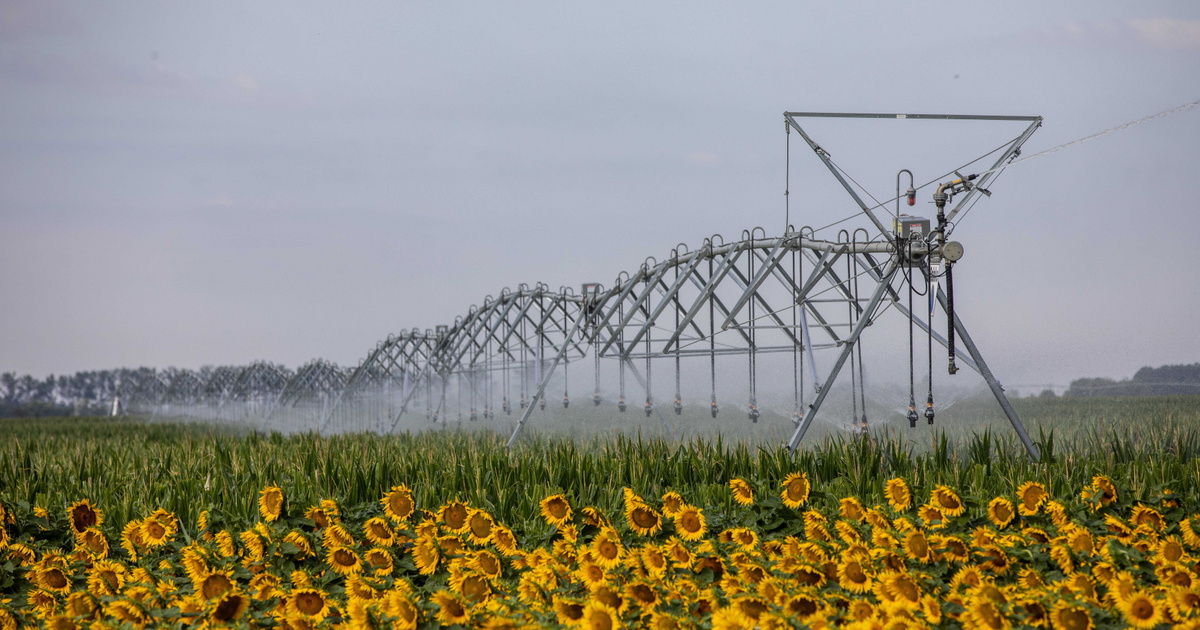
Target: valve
(621, 405)
(678, 407)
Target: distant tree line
(1167, 380)
(82, 393)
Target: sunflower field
(121, 524)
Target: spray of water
(1106, 132)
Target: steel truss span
(800, 300)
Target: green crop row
(129, 467)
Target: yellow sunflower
(310, 603)
(795, 490)
(487, 563)
(898, 495)
(1031, 495)
(852, 576)
(300, 542)
(154, 533)
(1001, 512)
(1068, 616)
(473, 588)
(344, 561)
(607, 549)
(672, 503)
(568, 611)
(916, 546)
(451, 610)
(504, 541)
(947, 501)
(742, 493)
(379, 560)
(1140, 610)
(454, 516)
(82, 516)
(426, 555)
(689, 523)
(378, 532)
(398, 503)
(982, 612)
(556, 510)
(900, 587)
(225, 544)
(852, 509)
(230, 607)
(597, 616)
(53, 578)
(480, 525)
(91, 539)
(643, 519)
(215, 584)
(106, 578)
(270, 503)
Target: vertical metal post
(541, 390)
(868, 313)
(994, 384)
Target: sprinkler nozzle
(566, 402)
(596, 399)
(753, 413)
(929, 409)
(678, 407)
(621, 405)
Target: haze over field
(214, 184)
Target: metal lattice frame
(759, 295)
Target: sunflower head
(230, 607)
(643, 519)
(454, 516)
(398, 503)
(689, 523)
(1141, 610)
(898, 495)
(451, 609)
(852, 576)
(309, 603)
(1031, 496)
(672, 503)
(795, 490)
(270, 503)
(1001, 512)
(82, 516)
(947, 501)
(344, 560)
(556, 510)
(480, 525)
(742, 492)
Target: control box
(910, 227)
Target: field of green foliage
(130, 467)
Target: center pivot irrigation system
(799, 298)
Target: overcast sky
(185, 184)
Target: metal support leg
(868, 313)
(994, 384)
(541, 390)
